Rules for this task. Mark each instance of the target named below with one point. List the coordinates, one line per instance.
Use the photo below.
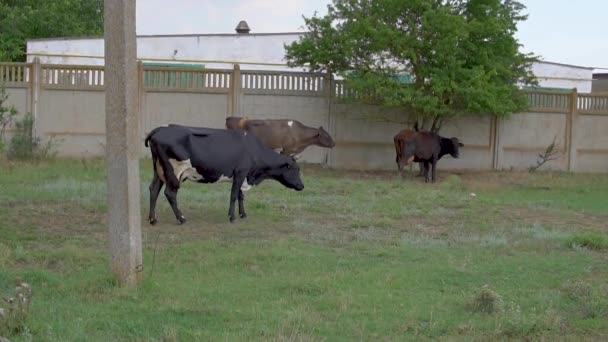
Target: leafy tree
(27, 19)
(461, 55)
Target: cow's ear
(457, 141)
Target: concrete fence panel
(363, 142)
(74, 119)
(525, 135)
(591, 131)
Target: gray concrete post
(235, 92)
(122, 141)
(35, 93)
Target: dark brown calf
(291, 137)
(424, 147)
(399, 140)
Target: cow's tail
(147, 140)
(399, 147)
(159, 155)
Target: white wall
(555, 75)
(261, 48)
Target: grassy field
(355, 256)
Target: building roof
(566, 65)
(175, 35)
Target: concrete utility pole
(122, 141)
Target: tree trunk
(424, 124)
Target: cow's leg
(171, 194)
(155, 187)
(237, 182)
(242, 212)
(426, 172)
(434, 171)
(421, 169)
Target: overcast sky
(565, 31)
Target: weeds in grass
(578, 290)
(486, 300)
(585, 300)
(15, 310)
(590, 240)
(5, 255)
(452, 183)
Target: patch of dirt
(563, 220)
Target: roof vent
(242, 27)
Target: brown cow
(399, 146)
(424, 147)
(291, 137)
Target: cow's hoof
(153, 221)
(232, 219)
(243, 215)
(181, 220)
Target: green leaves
(28, 19)
(461, 54)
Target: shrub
(25, 146)
(7, 116)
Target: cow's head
(325, 139)
(288, 174)
(453, 147)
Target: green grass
(355, 256)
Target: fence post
(234, 97)
(498, 144)
(35, 93)
(328, 83)
(571, 132)
(141, 102)
(494, 141)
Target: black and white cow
(208, 155)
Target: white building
(558, 75)
(254, 51)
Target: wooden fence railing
(592, 104)
(548, 101)
(169, 78)
(72, 77)
(163, 78)
(15, 74)
(283, 82)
